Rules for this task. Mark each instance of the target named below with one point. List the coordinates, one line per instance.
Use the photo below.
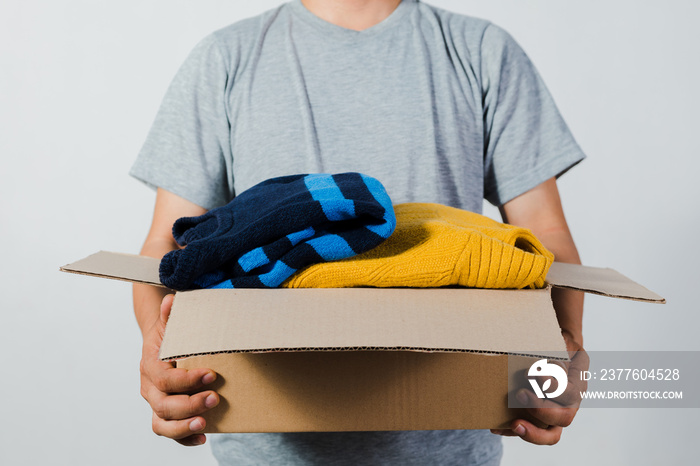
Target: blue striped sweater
(277, 227)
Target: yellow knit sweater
(435, 245)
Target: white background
(80, 82)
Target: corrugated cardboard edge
(551, 355)
(602, 281)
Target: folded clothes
(435, 245)
(277, 227)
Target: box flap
(603, 281)
(255, 320)
(118, 266)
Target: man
(439, 107)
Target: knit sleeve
(188, 150)
(526, 138)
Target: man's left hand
(555, 414)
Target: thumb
(165, 308)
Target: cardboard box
(356, 359)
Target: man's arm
(541, 211)
(169, 391)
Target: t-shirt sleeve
(187, 150)
(526, 139)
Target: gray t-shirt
(437, 106)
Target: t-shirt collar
(333, 30)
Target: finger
(169, 379)
(175, 407)
(533, 434)
(547, 411)
(570, 398)
(580, 361)
(561, 417)
(192, 440)
(179, 429)
(165, 307)
(504, 432)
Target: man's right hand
(175, 395)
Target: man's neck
(352, 14)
